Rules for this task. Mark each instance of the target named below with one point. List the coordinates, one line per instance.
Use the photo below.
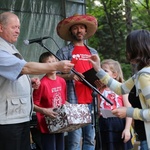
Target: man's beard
(75, 37)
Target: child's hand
(126, 135)
(50, 112)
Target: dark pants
(36, 137)
(15, 136)
(53, 141)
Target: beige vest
(15, 96)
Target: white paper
(106, 113)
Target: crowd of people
(61, 85)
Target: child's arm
(126, 135)
(46, 111)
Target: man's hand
(75, 77)
(65, 66)
(99, 84)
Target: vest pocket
(18, 107)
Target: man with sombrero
(76, 29)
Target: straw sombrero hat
(63, 26)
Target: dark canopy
(39, 18)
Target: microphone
(37, 40)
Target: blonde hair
(115, 67)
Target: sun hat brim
(64, 26)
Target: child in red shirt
(51, 94)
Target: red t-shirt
(80, 57)
(50, 94)
(117, 100)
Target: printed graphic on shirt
(56, 100)
(113, 97)
(84, 57)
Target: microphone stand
(94, 95)
(98, 145)
(82, 79)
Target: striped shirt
(142, 82)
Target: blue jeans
(88, 135)
(143, 145)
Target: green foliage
(141, 15)
(113, 24)
(127, 70)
